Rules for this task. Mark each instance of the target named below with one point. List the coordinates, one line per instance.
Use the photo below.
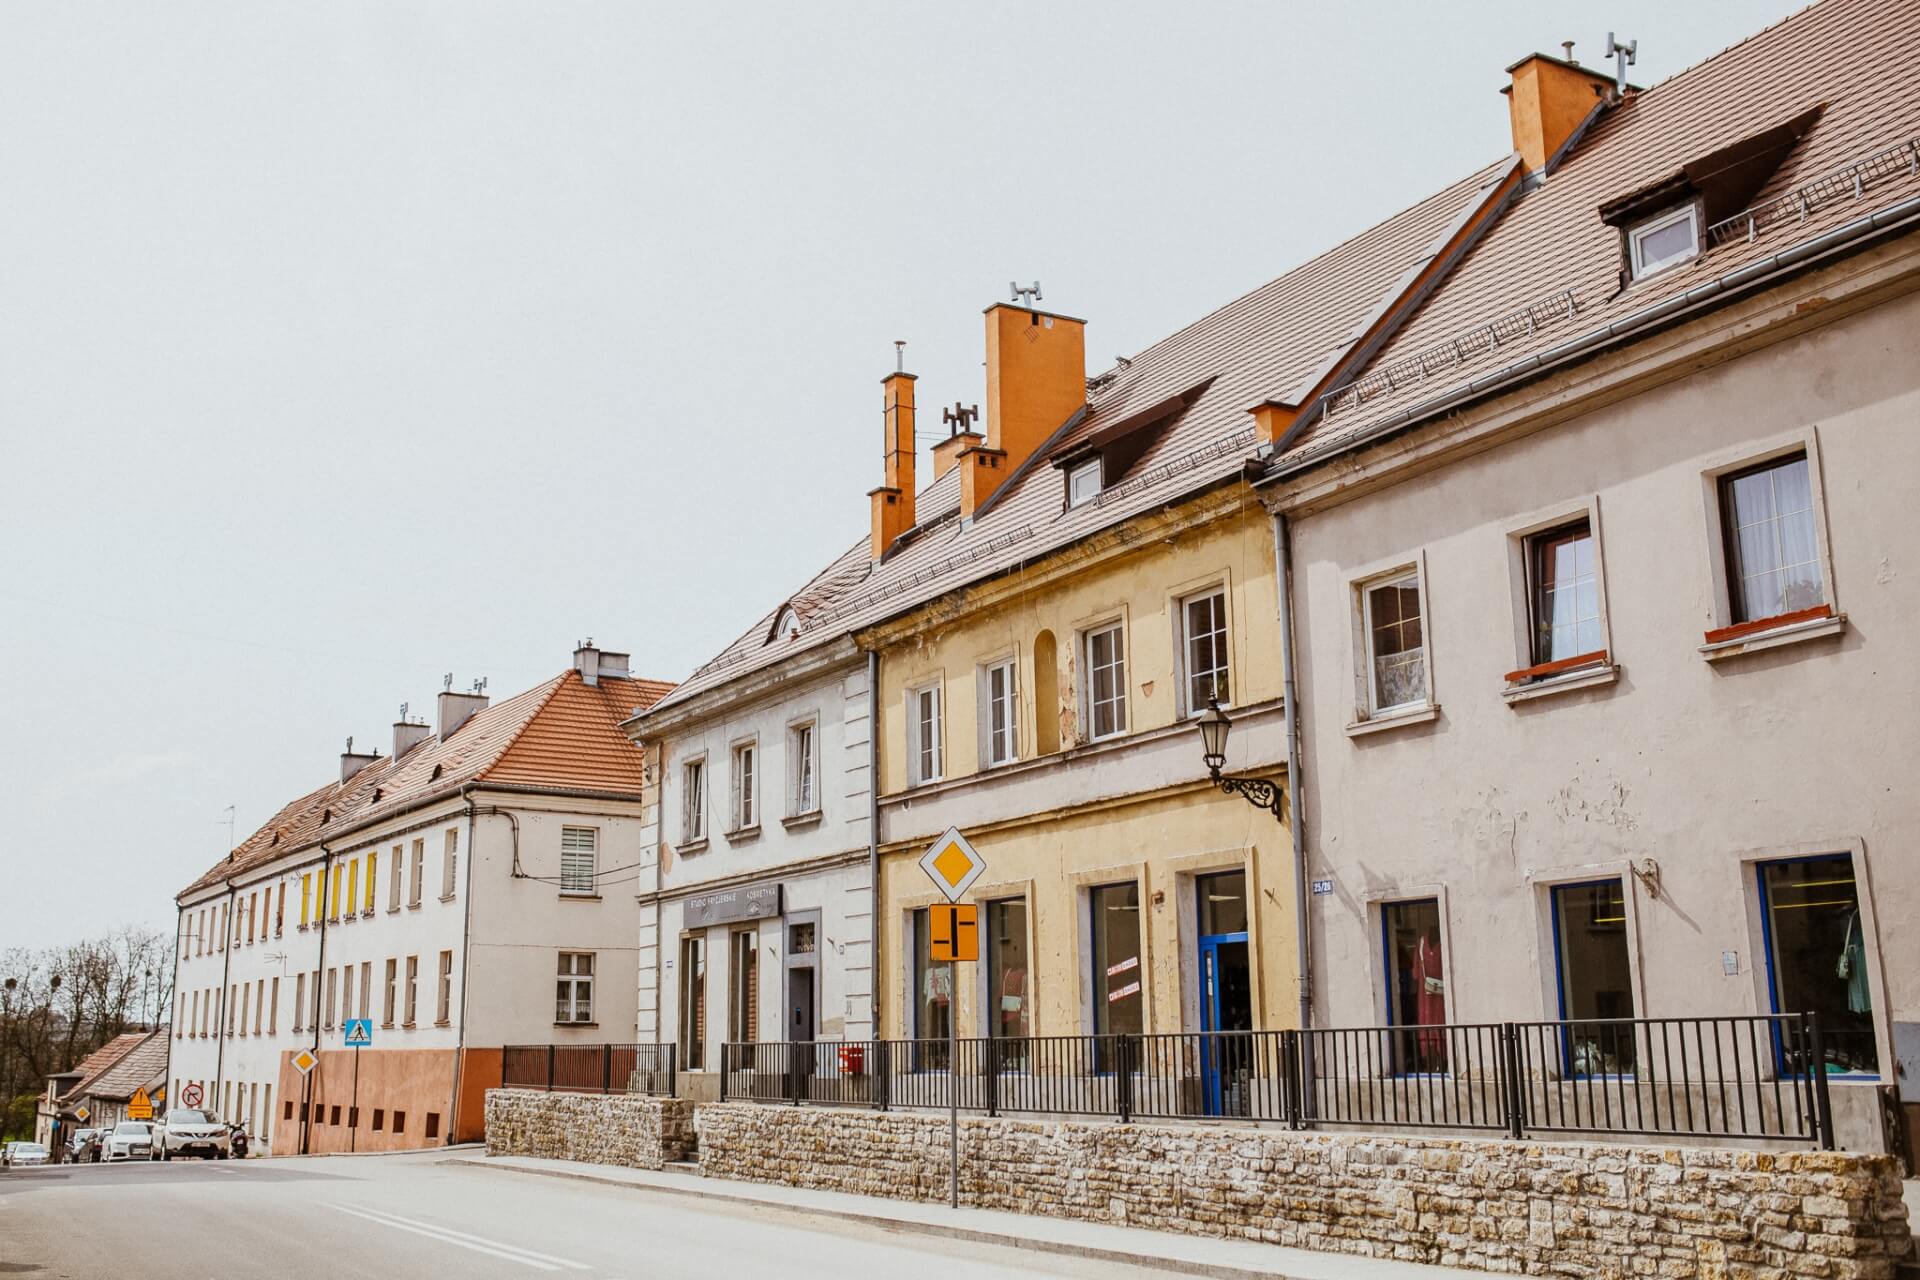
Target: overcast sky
(343, 346)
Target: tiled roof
(1854, 56)
(105, 1056)
(1268, 344)
(562, 734)
(141, 1066)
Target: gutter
(226, 972)
(1753, 276)
(466, 968)
(873, 842)
(1296, 827)
(313, 1022)
(173, 993)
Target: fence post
(673, 1072)
(1822, 1100)
(606, 1068)
(1290, 1083)
(793, 1072)
(1123, 1056)
(1510, 1068)
(993, 1075)
(550, 1068)
(673, 1085)
(883, 1078)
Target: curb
(971, 1235)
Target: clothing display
(1852, 968)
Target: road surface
(411, 1215)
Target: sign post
(954, 933)
(358, 1034)
(141, 1108)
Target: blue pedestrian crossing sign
(359, 1033)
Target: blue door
(1226, 992)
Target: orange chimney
(947, 453)
(1548, 100)
(893, 501)
(1036, 380)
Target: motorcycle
(239, 1141)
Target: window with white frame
(450, 864)
(573, 994)
(1771, 537)
(693, 801)
(1395, 638)
(924, 755)
(803, 769)
(1083, 482)
(1106, 665)
(745, 811)
(1664, 241)
(1000, 718)
(579, 859)
(1203, 648)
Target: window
(693, 801)
(393, 881)
(574, 995)
(1203, 622)
(1816, 942)
(924, 755)
(932, 998)
(299, 1002)
(1083, 482)
(579, 860)
(306, 899)
(332, 880)
(1563, 594)
(366, 988)
(746, 800)
(419, 867)
(373, 877)
(353, 885)
(1117, 972)
(246, 1000)
(280, 910)
(413, 984)
(1772, 549)
(693, 1002)
(743, 1009)
(399, 1122)
(346, 993)
(443, 1008)
(1009, 980)
(433, 1125)
(803, 790)
(1665, 241)
(333, 995)
(1106, 682)
(259, 1006)
(1000, 721)
(1596, 976)
(393, 977)
(253, 915)
(450, 865)
(1416, 984)
(1396, 644)
(273, 1011)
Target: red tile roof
(561, 735)
(140, 1066)
(106, 1055)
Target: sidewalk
(1191, 1255)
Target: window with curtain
(579, 860)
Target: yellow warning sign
(141, 1108)
(952, 864)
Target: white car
(130, 1139)
(187, 1131)
(21, 1154)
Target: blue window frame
(1816, 959)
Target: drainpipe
(226, 971)
(173, 1015)
(313, 1022)
(466, 968)
(873, 840)
(1296, 826)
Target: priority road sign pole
(953, 1082)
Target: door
(800, 1028)
(1226, 992)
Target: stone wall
(1538, 1208)
(623, 1129)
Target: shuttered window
(579, 859)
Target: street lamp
(1258, 792)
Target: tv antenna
(1624, 56)
(446, 682)
(480, 685)
(959, 418)
(1025, 295)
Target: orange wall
(418, 1082)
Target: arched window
(1046, 694)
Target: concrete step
(691, 1168)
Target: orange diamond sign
(952, 864)
(304, 1061)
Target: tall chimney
(352, 762)
(893, 500)
(407, 735)
(457, 708)
(1549, 99)
(1036, 380)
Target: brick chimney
(893, 500)
(1036, 380)
(1548, 100)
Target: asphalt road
(411, 1215)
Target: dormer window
(1083, 482)
(786, 626)
(1664, 241)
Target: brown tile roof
(106, 1055)
(560, 735)
(139, 1067)
(1267, 344)
(1854, 56)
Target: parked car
(187, 1132)
(129, 1140)
(18, 1155)
(84, 1146)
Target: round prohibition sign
(191, 1095)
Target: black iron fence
(589, 1068)
(1752, 1078)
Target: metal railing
(1746, 1078)
(590, 1068)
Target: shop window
(1596, 977)
(693, 1002)
(1772, 549)
(1817, 953)
(932, 1001)
(1009, 981)
(1416, 985)
(743, 979)
(1118, 978)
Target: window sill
(740, 835)
(578, 897)
(691, 846)
(1395, 720)
(1792, 628)
(367, 914)
(810, 818)
(443, 1023)
(393, 910)
(1566, 682)
(576, 1024)
(446, 897)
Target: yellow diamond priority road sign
(304, 1061)
(952, 864)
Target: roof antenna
(349, 746)
(899, 355)
(480, 685)
(1566, 50)
(959, 419)
(1025, 295)
(1624, 56)
(446, 682)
